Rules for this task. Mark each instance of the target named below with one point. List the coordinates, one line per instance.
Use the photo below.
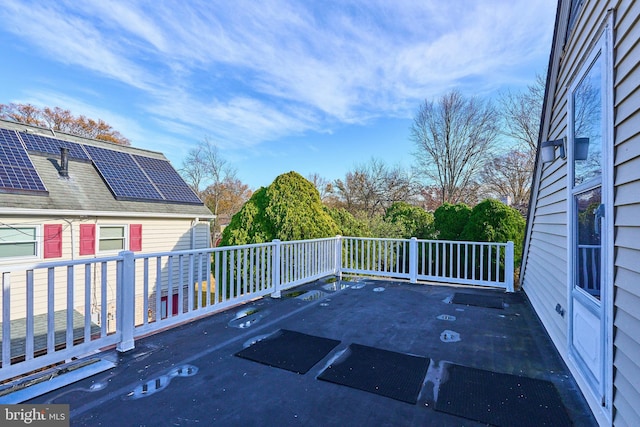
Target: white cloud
(247, 72)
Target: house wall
(626, 375)
(544, 273)
(158, 235)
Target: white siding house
(581, 258)
(96, 200)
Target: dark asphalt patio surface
(200, 382)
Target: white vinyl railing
(55, 311)
(469, 263)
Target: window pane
(111, 232)
(17, 249)
(587, 126)
(18, 234)
(111, 244)
(590, 213)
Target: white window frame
(37, 243)
(125, 238)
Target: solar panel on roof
(17, 172)
(167, 180)
(44, 144)
(122, 174)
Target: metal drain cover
(449, 336)
(157, 384)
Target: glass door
(587, 216)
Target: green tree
(348, 224)
(415, 221)
(493, 221)
(450, 220)
(250, 224)
(289, 209)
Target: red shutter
(87, 239)
(52, 240)
(135, 237)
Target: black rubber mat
(387, 373)
(290, 350)
(500, 399)
(489, 301)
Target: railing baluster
(490, 261)
(235, 261)
(180, 283)
(87, 302)
(244, 285)
(145, 291)
(190, 283)
(6, 319)
(29, 344)
(104, 315)
(51, 330)
(170, 286)
(482, 262)
(69, 329)
(158, 313)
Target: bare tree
(521, 112)
(509, 177)
(454, 138)
(373, 187)
(205, 166)
(323, 185)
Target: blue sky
(311, 86)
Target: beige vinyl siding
(545, 271)
(626, 380)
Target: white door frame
(602, 391)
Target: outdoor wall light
(548, 150)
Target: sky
(314, 86)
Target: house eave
(110, 214)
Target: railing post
(413, 260)
(338, 257)
(508, 268)
(276, 269)
(126, 288)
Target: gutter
(113, 214)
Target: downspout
(194, 224)
(73, 239)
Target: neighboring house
(95, 200)
(581, 259)
(222, 221)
